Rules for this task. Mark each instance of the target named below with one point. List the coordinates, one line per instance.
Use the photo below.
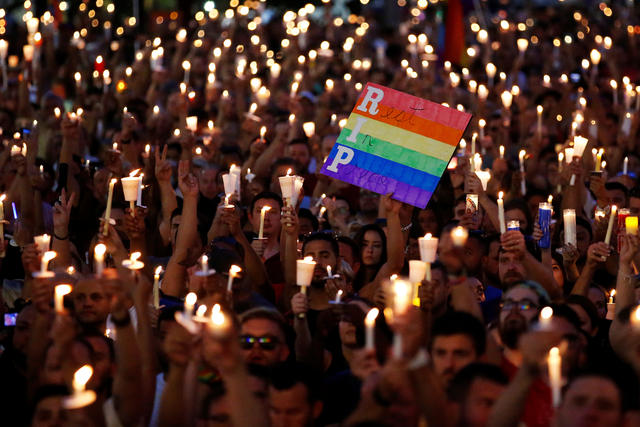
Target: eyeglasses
(525, 304)
(265, 342)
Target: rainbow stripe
(403, 148)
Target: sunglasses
(522, 305)
(265, 342)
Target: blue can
(544, 220)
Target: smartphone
(10, 319)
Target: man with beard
(515, 262)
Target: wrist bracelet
(55, 236)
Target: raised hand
(513, 241)
(299, 303)
(187, 182)
(163, 168)
(597, 253)
(289, 220)
(62, 212)
(389, 204)
(628, 250)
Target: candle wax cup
(544, 220)
(428, 248)
(417, 270)
(79, 399)
(304, 272)
(130, 188)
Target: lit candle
(507, 99)
(579, 144)
(107, 212)
(544, 320)
(501, 150)
(192, 123)
(611, 306)
(417, 273)
(186, 66)
(140, 187)
(80, 397)
(130, 189)
(233, 273)
(555, 375)
(200, 312)
(523, 185)
(459, 236)
(42, 242)
(503, 226)
(249, 176)
(481, 124)
(631, 225)
(309, 128)
(218, 321)
(612, 218)
(428, 248)
(287, 186)
(189, 303)
(98, 257)
(329, 272)
(402, 293)
(544, 220)
(156, 287)
(59, 292)
(132, 263)
(304, 275)
(539, 109)
(204, 265)
(513, 224)
(635, 317)
(485, 177)
(44, 263)
(569, 218)
(598, 162)
(625, 166)
(2, 199)
(370, 323)
(263, 212)
(339, 296)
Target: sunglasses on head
(265, 342)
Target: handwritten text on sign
(396, 143)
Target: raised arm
(175, 276)
(168, 200)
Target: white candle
(304, 272)
(130, 186)
(60, 292)
(218, 321)
(544, 320)
(233, 273)
(579, 144)
(555, 375)
(204, 264)
(263, 212)
(539, 110)
(473, 143)
(612, 218)
(569, 217)
(339, 296)
(485, 177)
(309, 128)
(523, 186)
(428, 249)
(192, 123)
(139, 196)
(501, 151)
(402, 293)
(459, 236)
(44, 263)
(80, 397)
(107, 212)
(156, 287)
(625, 166)
(132, 263)
(98, 257)
(189, 303)
(417, 270)
(503, 226)
(287, 186)
(481, 124)
(370, 324)
(2, 199)
(42, 242)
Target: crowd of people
(183, 305)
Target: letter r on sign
(373, 96)
(343, 157)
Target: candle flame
(546, 313)
(371, 317)
(428, 236)
(217, 317)
(308, 259)
(265, 209)
(49, 255)
(191, 298)
(201, 310)
(158, 270)
(134, 173)
(636, 315)
(81, 377)
(135, 255)
(100, 249)
(234, 270)
(63, 289)
(500, 195)
(554, 352)
(612, 293)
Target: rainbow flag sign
(396, 143)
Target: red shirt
(538, 410)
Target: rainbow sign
(396, 143)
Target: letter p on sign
(343, 157)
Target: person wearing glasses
(263, 337)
